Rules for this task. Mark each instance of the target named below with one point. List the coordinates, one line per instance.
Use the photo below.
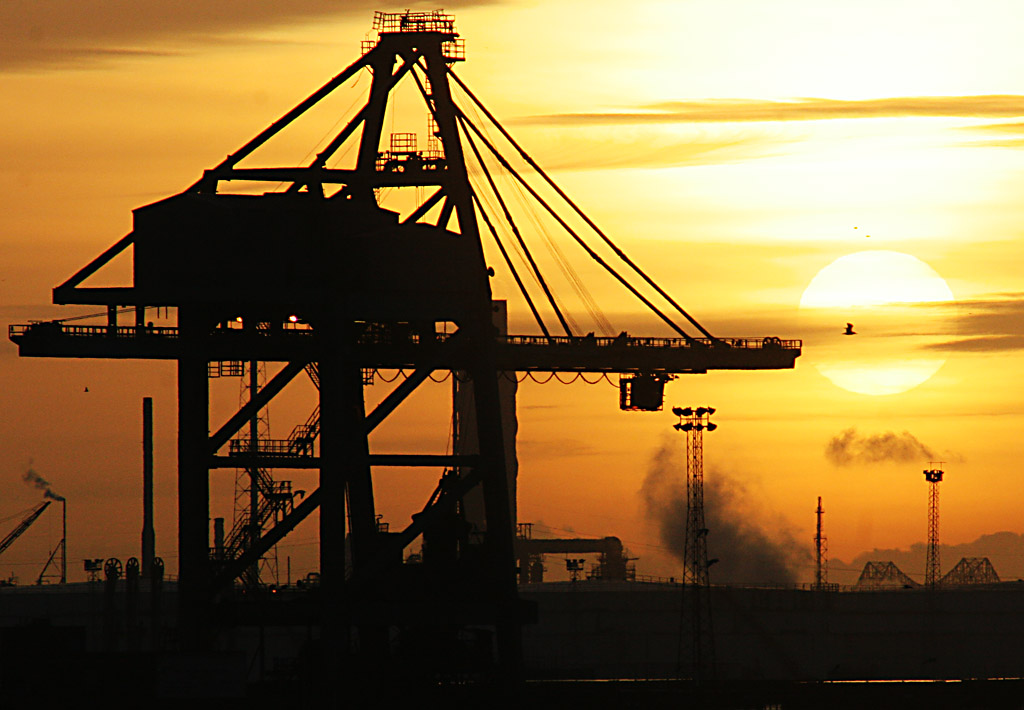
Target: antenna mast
(820, 552)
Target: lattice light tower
(932, 568)
(820, 552)
(694, 421)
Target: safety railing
(408, 336)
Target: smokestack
(148, 534)
(64, 542)
(218, 541)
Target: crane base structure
(317, 277)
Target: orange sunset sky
(734, 149)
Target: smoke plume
(747, 551)
(41, 483)
(849, 447)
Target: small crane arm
(23, 526)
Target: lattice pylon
(696, 604)
(695, 570)
(932, 570)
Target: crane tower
(932, 572)
(316, 276)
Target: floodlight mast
(696, 583)
(932, 570)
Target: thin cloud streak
(802, 109)
(997, 127)
(992, 344)
(582, 153)
(994, 324)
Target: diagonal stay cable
(618, 252)
(508, 217)
(516, 232)
(511, 266)
(586, 247)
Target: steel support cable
(508, 217)
(573, 278)
(511, 266)
(539, 228)
(565, 266)
(486, 202)
(579, 240)
(518, 235)
(597, 230)
(560, 259)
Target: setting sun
(893, 304)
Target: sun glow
(893, 301)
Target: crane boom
(23, 525)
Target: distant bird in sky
(86, 389)
(849, 330)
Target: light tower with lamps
(932, 572)
(694, 421)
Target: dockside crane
(320, 277)
(24, 525)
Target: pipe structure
(64, 543)
(148, 533)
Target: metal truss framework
(320, 279)
(971, 570)
(884, 575)
(932, 568)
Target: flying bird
(849, 330)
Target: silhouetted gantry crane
(318, 276)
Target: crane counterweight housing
(291, 253)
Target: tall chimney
(218, 538)
(148, 535)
